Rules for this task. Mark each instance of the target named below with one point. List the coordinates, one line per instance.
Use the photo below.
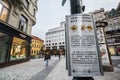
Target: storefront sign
(82, 49)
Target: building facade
(36, 47)
(16, 20)
(113, 28)
(99, 14)
(55, 39)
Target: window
(19, 49)
(60, 43)
(4, 43)
(4, 9)
(34, 12)
(23, 24)
(26, 4)
(52, 43)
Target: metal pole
(76, 6)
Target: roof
(37, 38)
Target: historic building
(36, 47)
(16, 20)
(55, 39)
(99, 14)
(113, 29)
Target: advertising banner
(82, 49)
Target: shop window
(4, 42)
(19, 49)
(112, 50)
(23, 24)
(118, 50)
(4, 9)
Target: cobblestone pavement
(24, 71)
(45, 72)
(60, 73)
(35, 70)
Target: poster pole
(106, 68)
(75, 10)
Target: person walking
(46, 58)
(59, 55)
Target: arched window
(23, 23)
(4, 9)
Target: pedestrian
(59, 55)
(46, 58)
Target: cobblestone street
(35, 70)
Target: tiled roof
(37, 38)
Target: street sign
(82, 46)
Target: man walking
(46, 58)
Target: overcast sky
(50, 13)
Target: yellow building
(36, 47)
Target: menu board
(82, 49)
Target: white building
(55, 38)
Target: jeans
(46, 63)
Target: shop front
(14, 45)
(113, 40)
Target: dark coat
(47, 56)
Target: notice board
(83, 57)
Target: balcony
(18, 3)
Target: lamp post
(76, 6)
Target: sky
(50, 13)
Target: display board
(82, 47)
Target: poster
(104, 54)
(102, 46)
(100, 35)
(82, 50)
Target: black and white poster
(83, 56)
